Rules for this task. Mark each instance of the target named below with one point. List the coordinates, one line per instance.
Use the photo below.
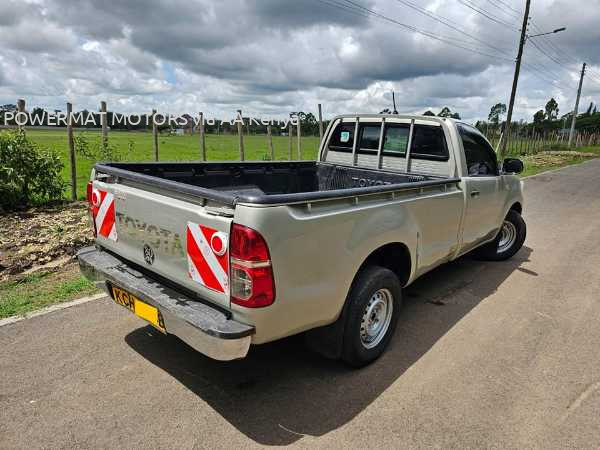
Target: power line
(559, 63)
(512, 15)
(353, 7)
(519, 12)
(545, 80)
(487, 14)
(558, 52)
(447, 22)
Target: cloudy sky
(270, 57)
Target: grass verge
(38, 290)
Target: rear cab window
(428, 141)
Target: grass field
(137, 146)
(171, 148)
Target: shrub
(28, 174)
(95, 149)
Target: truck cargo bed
(267, 182)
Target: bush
(95, 149)
(28, 174)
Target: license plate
(141, 309)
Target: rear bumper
(207, 329)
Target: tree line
(543, 121)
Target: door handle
(475, 193)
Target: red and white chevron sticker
(208, 257)
(104, 203)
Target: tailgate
(176, 239)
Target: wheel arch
(394, 256)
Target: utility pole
(576, 106)
(513, 92)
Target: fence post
(72, 151)
(320, 124)
(299, 139)
(202, 138)
(290, 133)
(104, 122)
(240, 134)
(20, 109)
(154, 135)
(270, 142)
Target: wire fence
(523, 140)
(530, 142)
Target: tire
(509, 241)
(376, 290)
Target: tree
(385, 111)
(538, 118)
(551, 109)
(496, 112)
(428, 113)
(589, 110)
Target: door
(483, 186)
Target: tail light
(93, 199)
(252, 282)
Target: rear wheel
(373, 308)
(509, 241)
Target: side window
(429, 143)
(369, 137)
(342, 138)
(395, 140)
(480, 156)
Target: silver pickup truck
(228, 254)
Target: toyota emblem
(148, 254)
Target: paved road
(486, 355)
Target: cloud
(272, 56)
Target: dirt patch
(37, 238)
(548, 159)
(570, 153)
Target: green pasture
(137, 146)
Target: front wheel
(373, 308)
(509, 241)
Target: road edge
(50, 309)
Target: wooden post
(270, 142)
(104, 122)
(202, 138)
(240, 134)
(320, 124)
(20, 109)
(72, 151)
(154, 135)
(299, 139)
(290, 133)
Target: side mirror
(512, 165)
